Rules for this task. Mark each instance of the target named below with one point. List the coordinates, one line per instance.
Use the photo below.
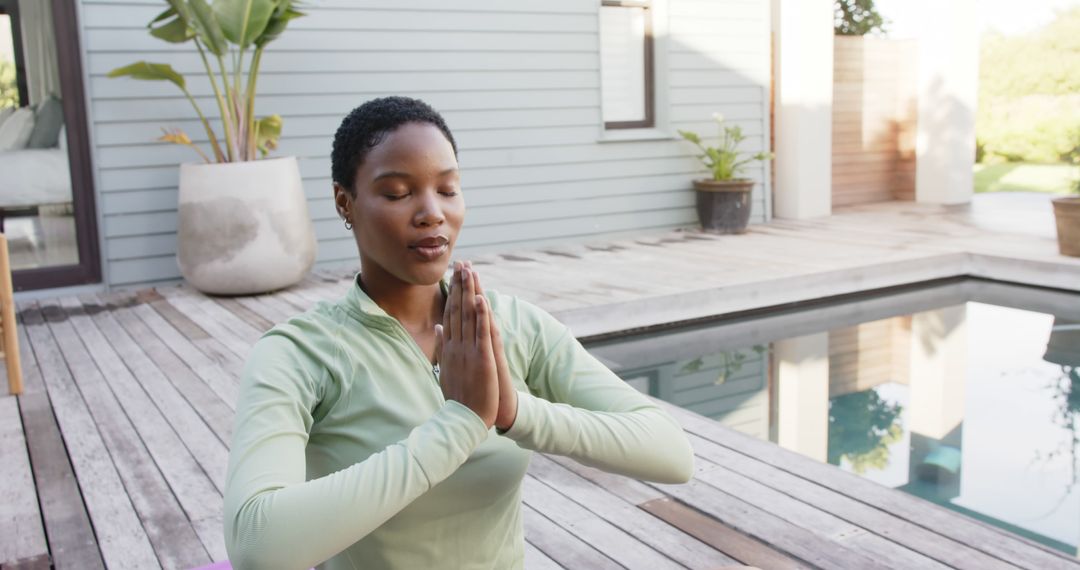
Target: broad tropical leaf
(176, 31)
(243, 21)
(207, 26)
(280, 18)
(150, 72)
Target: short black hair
(367, 125)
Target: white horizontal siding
(518, 83)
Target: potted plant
(1067, 210)
(723, 201)
(243, 225)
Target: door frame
(73, 100)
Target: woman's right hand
(467, 368)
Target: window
(626, 64)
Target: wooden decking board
(237, 333)
(166, 526)
(991, 540)
(791, 539)
(23, 536)
(565, 548)
(945, 551)
(535, 559)
(120, 535)
(178, 319)
(67, 525)
(676, 544)
(213, 410)
(818, 521)
(224, 347)
(186, 479)
(251, 317)
(223, 384)
(737, 545)
(208, 450)
(609, 539)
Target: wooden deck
(115, 455)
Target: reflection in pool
(966, 394)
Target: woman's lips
(430, 253)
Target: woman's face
(407, 207)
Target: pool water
(965, 394)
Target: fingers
(469, 315)
(483, 325)
(454, 332)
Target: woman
(364, 435)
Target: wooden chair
(10, 348)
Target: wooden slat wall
(869, 354)
(518, 82)
(873, 120)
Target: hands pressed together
(468, 346)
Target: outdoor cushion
(5, 113)
(15, 131)
(47, 122)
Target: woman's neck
(416, 307)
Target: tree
(857, 18)
(9, 91)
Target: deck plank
(251, 317)
(566, 549)
(67, 525)
(212, 409)
(944, 550)
(609, 539)
(166, 525)
(680, 546)
(211, 373)
(722, 537)
(535, 559)
(20, 517)
(205, 446)
(995, 542)
(120, 535)
(186, 479)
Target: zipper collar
(359, 304)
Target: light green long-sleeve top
(346, 454)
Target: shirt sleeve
(276, 519)
(579, 408)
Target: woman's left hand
(507, 392)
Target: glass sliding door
(46, 198)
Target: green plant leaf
(267, 133)
(243, 21)
(207, 26)
(281, 17)
(692, 137)
(150, 72)
(176, 31)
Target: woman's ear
(342, 201)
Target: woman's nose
(429, 210)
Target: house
(564, 111)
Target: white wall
(518, 82)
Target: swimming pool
(966, 394)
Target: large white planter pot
(243, 227)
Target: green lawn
(1025, 177)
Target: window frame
(649, 121)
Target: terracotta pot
(243, 227)
(1067, 214)
(723, 206)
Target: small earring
(348, 224)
